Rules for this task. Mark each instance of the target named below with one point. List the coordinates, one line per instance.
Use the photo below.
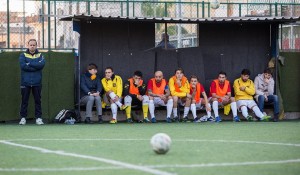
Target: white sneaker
(39, 121)
(203, 119)
(265, 114)
(22, 121)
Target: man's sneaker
(153, 120)
(265, 118)
(168, 120)
(249, 118)
(123, 107)
(129, 120)
(113, 121)
(275, 118)
(185, 119)
(176, 119)
(236, 119)
(204, 118)
(100, 120)
(39, 121)
(88, 120)
(146, 120)
(210, 119)
(218, 119)
(197, 120)
(22, 121)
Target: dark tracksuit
(31, 80)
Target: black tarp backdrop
(222, 46)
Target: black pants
(36, 91)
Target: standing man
(244, 90)
(113, 88)
(90, 92)
(196, 91)
(159, 94)
(180, 91)
(32, 63)
(264, 92)
(220, 91)
(134, 92)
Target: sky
(17, 6)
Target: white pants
(248, 103)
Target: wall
(57, 85)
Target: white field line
(153, 166)
(60, 169)
(175, 140)
(108, 161)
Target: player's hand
(178, 81)
(140, 97)
(266, 80)
(242, 88)
(96, 94)
(137, 82)
(266, 98)
(163, 97)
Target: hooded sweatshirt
(263, 88)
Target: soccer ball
(160, 143)
(214, 4)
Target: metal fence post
(203, 9)
(55, 24)
(240, 9)
(197, 9)
(122, 8)
(276, 11)
(8, 32)
(127, 8)
(89, 7)
(43, 25)
(166, 10)
(49, 26)
(208, 9)
(133, 9)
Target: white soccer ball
(160, 143)
(214, 4)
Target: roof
(247, 19)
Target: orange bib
(183, 80)
(133, 89)
(159, 90)
(198, 89)
(221, 92)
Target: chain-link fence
(21, 20)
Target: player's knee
(127, 100)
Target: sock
(145, 110)
(114, 110)
(193, 109)
(233, 109)
(169, 108)
(128, 112)
(151, 108)
(257, 112)
(216, 108)
(112, 95)
(208, 112)
(175, 112)
(244, 111)
(186, 111)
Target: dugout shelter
(228, 44)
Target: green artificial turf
(197, 148)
